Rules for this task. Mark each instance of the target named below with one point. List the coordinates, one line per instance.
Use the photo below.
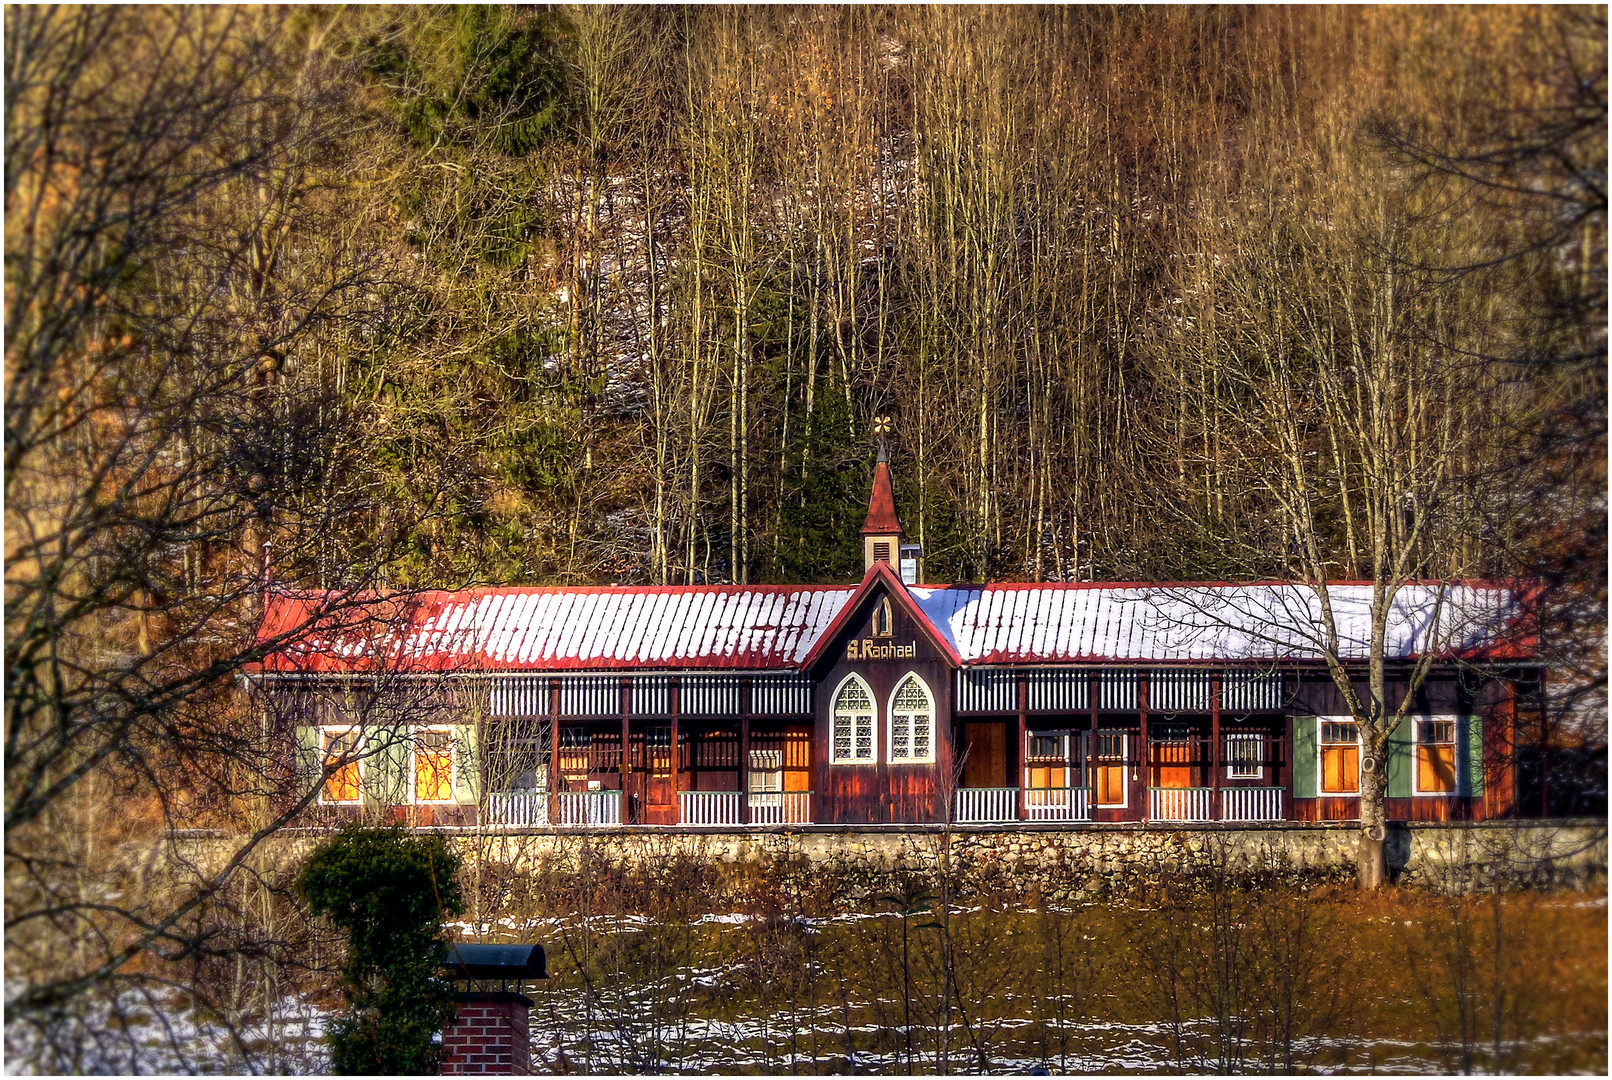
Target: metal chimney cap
(468, 961)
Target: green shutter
(385, 770)
(1306, 765)
(308, 766)
(400, 767)
(1399, 759)
(1473, 744)
(466, 765)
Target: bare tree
(1526, 174)
(182, 292)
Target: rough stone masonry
(1061, 859)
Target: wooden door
(633, 778)
(652, 774)
(798, 758)
(985, 743)
(1111, 786)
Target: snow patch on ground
(155, 1031)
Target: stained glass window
(912, 721)
(853, 723)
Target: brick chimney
(490, 1036)
(489, 1033)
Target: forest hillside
(614, 293)
(358, 298)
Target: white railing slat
(977, 806)
(1251, 804)
(708, 807)
(518, 808)
(781, 808)
(1178, 804)
(1057, 804)
(590, 808)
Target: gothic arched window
(881, 617)
(852, 734)
(912, 722)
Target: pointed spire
(882, 520)
(881, 533)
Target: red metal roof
(1195, 623)
(882, 518)
(760, 627)
(541, 629)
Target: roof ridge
(781, 627)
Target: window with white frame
(766, 777)
(1044, 747)
(1046, 759)
(853, 723)
(1111, 762)
(1245, 755)
(912, 722)
(433, 765)
(1435, 755)
(340, 752)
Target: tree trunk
(1371, 856)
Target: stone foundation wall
(1063, 859)
(849, 861)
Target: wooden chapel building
(889, 702)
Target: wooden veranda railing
(1179, 804)
(975, 806)
(585, 808)
(518, 808)
(708, 807)
(1057, 804)
(1251, 804)
(981, 806)
(781, 808)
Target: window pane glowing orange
(1111, 785)
(433, 767)
(1435, 768)
(341, 785)
(1111, 777)
(1340, 769)
(1045, 776)
(1172, 758)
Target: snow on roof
(997, 624)
(540, 629)
(776, 626)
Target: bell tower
(881, 534)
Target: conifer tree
(390, 891)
